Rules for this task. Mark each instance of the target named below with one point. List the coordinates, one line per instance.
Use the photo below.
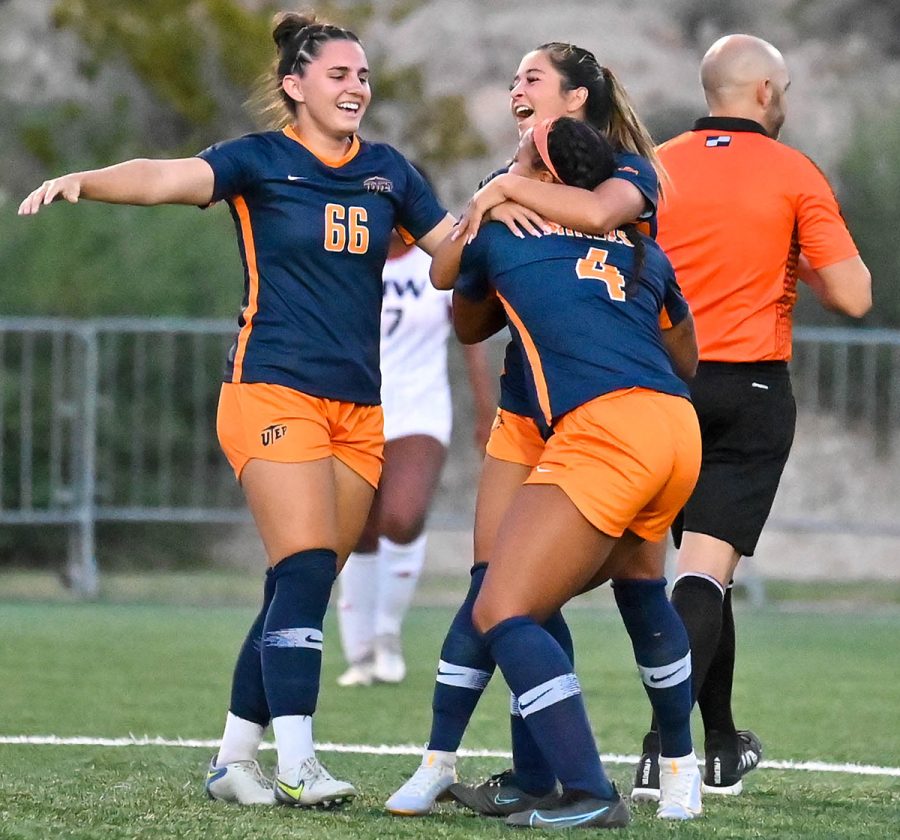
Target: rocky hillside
(442, 68)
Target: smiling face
(333, 92)
(537, 93)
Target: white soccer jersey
(415, 326)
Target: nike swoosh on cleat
(572, 821)
(654, 679)
(504, 800)
(293, 792)
(215, 774)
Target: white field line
(408, 749)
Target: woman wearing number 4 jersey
(299, 416)
(379, 580)
(622, 459)
(554, 80)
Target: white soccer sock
(399, 567)
(432, 757)
(240, 740)
(688, 761)
(358, 583)
(293, 740)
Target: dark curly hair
(583, 157)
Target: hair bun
(288, 26)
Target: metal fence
(110, 420)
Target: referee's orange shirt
(739, 209)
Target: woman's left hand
(520, 220)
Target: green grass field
(816, 685)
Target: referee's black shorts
(747, 417)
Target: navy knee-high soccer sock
(248, 695)
(464, 670)
(540, 674)
(292, 648)
(663, 658)
(532, 773)
(714, 698)
(697, 599)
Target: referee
(743, 218)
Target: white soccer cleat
(359, 673)
(242, 782)
(679, 788)
(310, 785)
(389, 664)
(426, 786)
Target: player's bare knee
(486, 614)
(403, 527)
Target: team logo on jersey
(377, 184)
(273, 433)
(718, 140)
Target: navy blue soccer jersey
(313, 237)
(580, 334)
(637, 170)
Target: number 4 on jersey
(594, 267)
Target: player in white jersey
(378, 582)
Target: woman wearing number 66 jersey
(299, 412)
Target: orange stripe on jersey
(534, 359)
(240, 207)
(665, 322)
(405, 235)
(334, 163)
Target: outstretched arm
(140, 181)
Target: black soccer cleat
(646, 774)
(575, 809)
(499, 796)
(729, 758)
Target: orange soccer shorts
(515, 438)
(276, 423)
(627, 460)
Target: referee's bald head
(743, 76)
